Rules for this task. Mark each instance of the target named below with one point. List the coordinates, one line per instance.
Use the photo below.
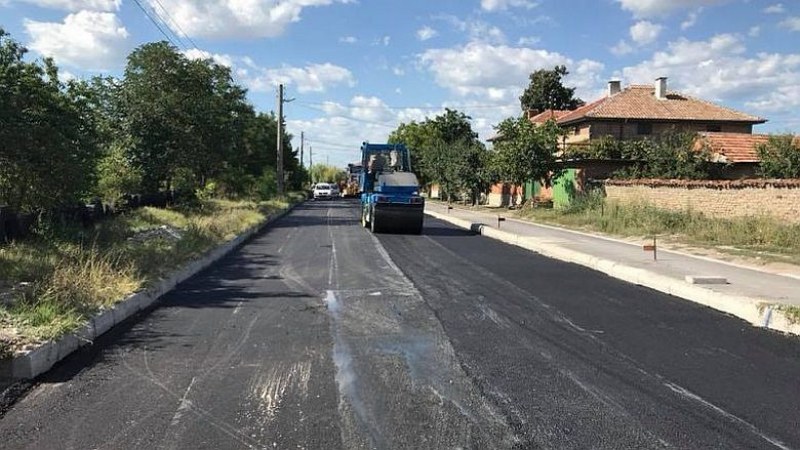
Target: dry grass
(746, 235)
(54, 282)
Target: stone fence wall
(723, 199)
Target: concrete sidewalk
(750, 294)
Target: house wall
(779, 199)
(583, 133)
(504, 194)
(629, 129)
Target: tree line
(169, 123)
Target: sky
(356, 69)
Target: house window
(714, 128)
(644, 128)
(576, 131)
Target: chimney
(661, 88)
(614, 87)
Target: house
(639, 111)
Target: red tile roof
(639, 102)
(734, 147)
(548, 114)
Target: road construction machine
(390, 194)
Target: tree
(48, 139)
(323, 173)
(780, 157)
(440, 147)
(546, 91)
(526, 152)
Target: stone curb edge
(41, 359)
(755, 311)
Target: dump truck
(390, 197)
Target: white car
(325, 191)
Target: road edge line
(35, 362)
(757, 312)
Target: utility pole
(310, 156)
(302, 139)
(280, 139)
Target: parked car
(327, 191)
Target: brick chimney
(661, 88)
(614, 87)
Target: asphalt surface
(317, 334)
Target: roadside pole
(279, 162)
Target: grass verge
(51, 284)
(764, 237)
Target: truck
(390, 194)
(350, 187)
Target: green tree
(48, 139)
(546, 91)
(440, 147)
(324, 173)
(780, 157)
(670, 155)
(526, 152)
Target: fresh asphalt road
(317, 334)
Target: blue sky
(358, 68)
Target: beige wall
(720, 199)
(582, 135)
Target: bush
(780, 157)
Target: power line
(426, 107)
(382, 124)
(177, 25)
(155, 22)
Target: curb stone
(751, 309)
(41, 359)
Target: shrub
(780, 157)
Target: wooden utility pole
(280, 140)
(302, 139)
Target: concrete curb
(755, 311)
(43, 358)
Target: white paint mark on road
(271, 389)
(375, 294)
(692, 396)
(183, 405)
(238, 308)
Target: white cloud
(76, 5)
(528, 41)
(312, 78)
(223, 60)
(500, 5)
(775, 9)
(645, 32)
(792, 23)
(718, 69)
(348, 39)
(622, 48)
(691, 19)
(399, 71)
(653, 8)
(754, 31)
(477, 30)
(384, 41)
(237, 18)
(87, 40)
(425, 33)
(499, 73)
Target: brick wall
(724, 199)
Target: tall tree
(525, 152)
(546, 91)
(48, 139)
